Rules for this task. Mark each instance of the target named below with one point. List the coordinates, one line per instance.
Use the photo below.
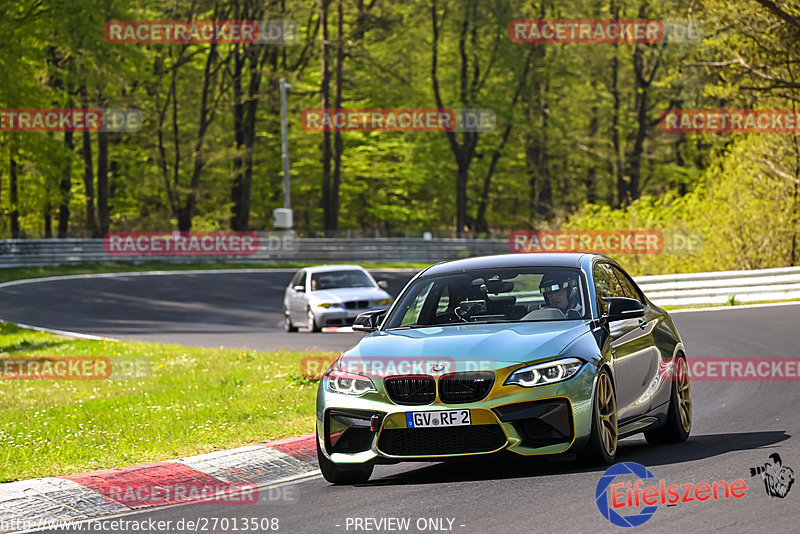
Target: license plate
(437, 419)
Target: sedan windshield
(492, 295)
(340, 279)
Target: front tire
(312, 322)
(287, 322)
(337, 474)
(602, 446)
(679, 414)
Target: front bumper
(340, 316)
(546, 419)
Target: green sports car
(530, 353)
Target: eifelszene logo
(615, 498)
(778, 478)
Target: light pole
(283, 217)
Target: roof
(326, 268)
(549, 259)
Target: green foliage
(571, 156)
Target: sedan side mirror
(383, 284)
(623, 308)
(368, 321)
(300, 289)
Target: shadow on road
(510, 465)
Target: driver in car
(562, 293)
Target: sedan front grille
(414, 390)
(441, 441)
(356, 304)
(465, 387)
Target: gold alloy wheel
(684, 395)
(607, 412)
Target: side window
(444, 301)
(301, 280)
(627, 285)
(606, 285)
(296, 279)
(414, 309)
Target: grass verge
(19, 273)
(195, 401)
(727, 304)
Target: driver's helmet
(551, 283)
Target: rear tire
(338, 474)
(679, 414)
(602, 446)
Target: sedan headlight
(329, 305)
(545, 373)
(338, 381)
(381, 302)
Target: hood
(467, 347)
(348, 293)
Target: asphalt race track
(737, 425)
(233, 309)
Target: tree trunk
(591, 172)
(635, 157)
(186, 213)
(481, 225)
(537, 160)
(102, 183)
(88, 182)
(65, 189)
(13, 196)
(326, 136)
(238, 137)
(619, 180)
(48, 220)
(463, 152)
(337, 136)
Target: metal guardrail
(276, 247)
(719, 287)
(674, 289)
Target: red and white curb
(224, 477)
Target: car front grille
(411, 390)
(356, 304)
(456, 388)
(441, 441)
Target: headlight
(545, 373)
(337, 381)
(329, 305)
(381, 302)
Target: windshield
(340, 279)
(492, 295)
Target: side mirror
(623, 308)
(300, 289)
(368, 321)
(383, 284)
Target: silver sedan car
(331, 295)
